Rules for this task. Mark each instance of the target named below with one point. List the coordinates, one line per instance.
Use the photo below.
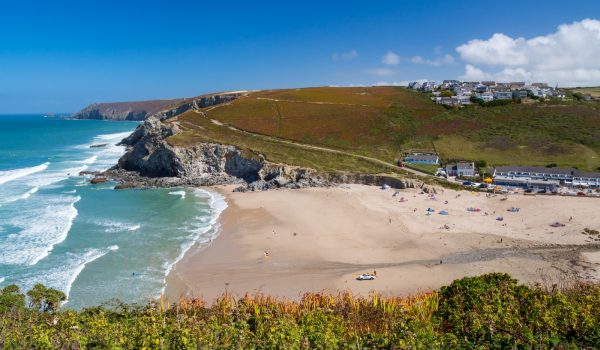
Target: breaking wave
(10, 175)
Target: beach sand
(320, 239)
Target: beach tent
(443, 212)
(430, 210)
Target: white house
(486, 96)
(460, 169)
(422, 159)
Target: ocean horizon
(90, 241)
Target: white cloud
(569, 56)
(383, 72)
(438, 61)
(344, 56)
(474, 73)
(390, 59)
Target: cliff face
(151, 161)
(141, 110)
(138, 110)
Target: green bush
(487, 312)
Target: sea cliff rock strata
(141, 110)
(151, 161)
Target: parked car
(366, 277)
(467, 183)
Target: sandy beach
(288, 242)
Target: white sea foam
(217, 204)
(40, 229)
(10, 175)
(113, 137)
(178, 193)
(1, 279)
(64, 275)
(89, 160)
(116, 226)
(29, 193)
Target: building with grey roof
(570, 177)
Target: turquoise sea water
(90, 241)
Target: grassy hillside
(594, 91)
(383, 122)
(486, 312)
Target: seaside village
(460, 93)
(504, 179)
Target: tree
(446, 93)
(11, 298)
(45, 299)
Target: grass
(384, 122)
(594, 91)
(426, 168)
(486, 312)
(201, 129)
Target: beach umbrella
(488, 180)
(443, 212)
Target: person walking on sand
(375, 273)
(570, 218)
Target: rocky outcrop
(138, 110)
(151, 161)
(142, 110)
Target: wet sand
(288, 242)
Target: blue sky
(58, 56)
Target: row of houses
(485, 90)
(466, 169)
(517, 176)
(545, 178)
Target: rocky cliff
(138, 110)
(151, 161)
(141, 110)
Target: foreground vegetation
(385, 122)
(489, 311)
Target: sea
(94, 243)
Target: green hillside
(384, 122)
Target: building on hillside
(422, 159)
(524, 176)
(449, 84)
(463, 99)
(486, 96)
(428, 86)
(516, 85)
(461, 169)
(519, 94)
(503, 95)
(481, 88)
(489, 84)
(415, 85)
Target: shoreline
(319, 239)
